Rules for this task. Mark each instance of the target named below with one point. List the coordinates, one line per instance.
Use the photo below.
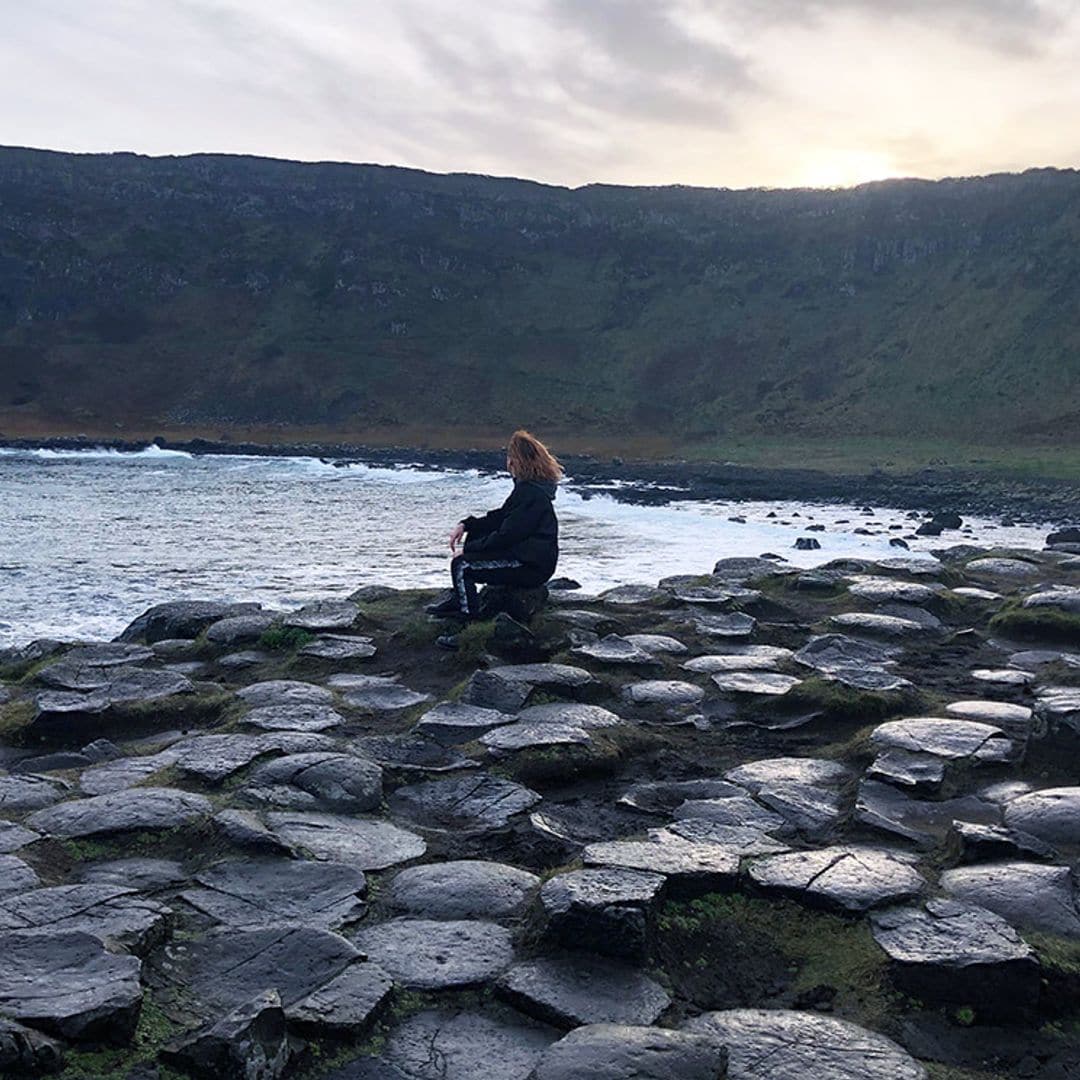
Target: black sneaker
(447, 641)
(449, 606)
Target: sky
(718, 93)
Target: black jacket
(524, 528)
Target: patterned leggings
(468, 570)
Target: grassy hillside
(213, 292)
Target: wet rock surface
(829, 814)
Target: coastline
(641, 480)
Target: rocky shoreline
(932, 490)
(763, 822)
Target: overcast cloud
(713, 92)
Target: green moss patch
(285, 638)
(1040, 624)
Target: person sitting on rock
(515, 545)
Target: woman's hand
(456, 534)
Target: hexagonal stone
(367, 844)
(253, 894)
(121, 811)
(376, 693)
(887, 590)
(1003, 676)
(743, 658)
(1003, 568)
(1028, 895)
(463, 889)
(607, 910)
(656, 643)
(879, 625)
(491, 691)
(740, 840)
(214, 758)
(116, 915)
(126, 772)
(16, 876)
(245, 830)
(667, 692)
(570, 712)
(1052, 815)
(529, 736)
(732, 626)
(347, 1004)
(451, 722)
(959, 954)
(622, 1052)
(452, 1045)
(324, 615)
(317, 781)
(953, 740)
(284, 692)
(743, 568)
(19, 793)
(614, 649)
(467, 804)
(428, 954)
(687, 866)
(1014, 720)
(568, 990)
(339, 647)
(308, 718)
(846, 879)
(220, 971)
(754, 682)
(838, 652)
(108, 654)
(735, 809)
(876, 679)
(821, 772)
(68, 984)
(779, 1044)
(805, 792)
(546, 676)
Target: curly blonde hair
(529, 459)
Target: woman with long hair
(517, 544)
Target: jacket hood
(548, 487)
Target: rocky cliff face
(215, 289)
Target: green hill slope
(215, 290)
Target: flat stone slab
(570, 713)
(953, 740)
(1062, 598)
(451, 723)
(878, 625)
(546, 676)
(1003, 676)
(1027, 894)
(734, 626)
(663, 796)
(413, 753)
(317, 781)
(13, 837)
(887, 590)
(657, 643)
(1052, 815)
(252, 894)
(630, 595)
(490, 691)
(683, 863)
(143, 875)
(569, 990)
(67, 983)
(735, 809)
(284, 692)
(740, 840)
(467, 804)
(1014, 720)
(614, 649)
(16, 876)
(820, 772)
(347, 1004)
(214, 758)
(246, 830)
(805, 792)
(1003, 568)
(780, 1044)
(181, 619)
(121, 811)
(455, 1045)
(748, 658)
(910, 770)
(846, 879)
(993, 843)
(923, 821)
(969, 592)
(765, 684)
(1059, 706)
(108, 654)
(623, 1052)
(838, 652)
(238, 629)
(220, 971)
(303, 718)
(21, 793)
(958, 953)
(428, 954)
(324, 615)
(376, 693)
(126, 772)
(363, 843)
(529, 736)
(666, 692)
(462, 889)
(116, 915)
(339, 647)
(877, 679)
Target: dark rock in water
(621, 1052)
(563, 583)
(323, 615)
(16, 876)
(519, 604)
(365, 843)
(453, 1045)
(346, 1005)
(143, 875)
(317, 781)
(66, 983)
(450, 723)
(468, 804)
(968, 843)
(740, 570)
(121, 811)
(778, 1044)
(284, 692)
(218, 972)
(1029, 895)
(896, 542)
(807, 543)
(847, 879)
(570, 989)
(25, 1052)
(958, 954)
(468, 889)
(116, 915)
(1068, 535)
(435, 955)
(249, 1041)
(606, 910)
(181, 619)
(252, 894)
(372, 594)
